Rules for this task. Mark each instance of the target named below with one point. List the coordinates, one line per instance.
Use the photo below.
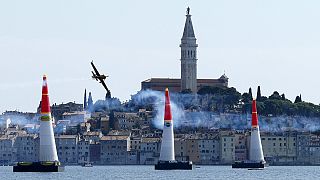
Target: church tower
(188, 56)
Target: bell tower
(188, 56)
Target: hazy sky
(274, 44)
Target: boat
(249, 164)
(173, 165)
(87, 164)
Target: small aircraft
(100, 78)
(96, 75)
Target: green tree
(186, 91)
(250, 93)
(275, 95)
(298, 99)
(259, 94)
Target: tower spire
(85, 100)
(188, 31)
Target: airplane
(96, 75)
(100, 78)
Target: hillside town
(110, 138)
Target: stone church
(189, 60)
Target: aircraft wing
(95, 69)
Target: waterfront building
(114, 149)
(8, 153)
(303, 148)
(27, 148)
(209, 148)
(83, 151)
(314, 148)
(280, 148)
(227, 146)
(241, 146)
(67, 147)
(150, 150)
(180, 149)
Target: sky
(274, 44)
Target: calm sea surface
(148, 172)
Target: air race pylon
(167, 157)
(255, 153)
(256, 158)
(48, 159)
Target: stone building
(58, 110)
(67, 148)
(128, 120)
(83, 151)
(241, 146)
(95, 152)
(7, 151)
(27, 148)
(149, 150)
(209, 149)
(279, 148)
(227, 147)
(114, 149)
(303, 149)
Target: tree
(259, 94)
(283, 97)
(250, 93)
(210, 90)
(245, 98)
(186, 91)
(275, 95)
(298, 99)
